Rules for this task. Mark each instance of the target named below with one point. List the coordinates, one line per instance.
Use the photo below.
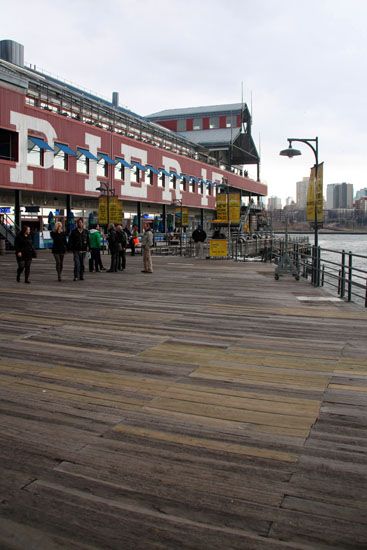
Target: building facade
(63, 147)
(339, 195)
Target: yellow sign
(218, 248)
(222, 210)
(102, 210)
(185, 216)
(115, 210)
(317, 195)
(234, 207)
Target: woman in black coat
(24, 253)
(59, 247)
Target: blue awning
(151, 168)
(195, 179)
(106, 158)
(175, 175)
(86, 153)
(138, 165)
(164, 172)
(65, 148)
(40, 143)
(123, 162)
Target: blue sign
(5, 210)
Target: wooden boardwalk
(203, 406)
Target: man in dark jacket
(199, 237)
(79, 245)
(122, 245)
(113, 247)
(24, 253)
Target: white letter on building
(24, 123)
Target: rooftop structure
(225, 130)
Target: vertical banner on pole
(221, 206)
(102, 210)
(315, 194)
(234, 207)
(115, 210)
(319, 193)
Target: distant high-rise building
(289, 201)
(339, 195)
(301, 192)
(361, 193)
(274, 203)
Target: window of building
(61, 159)
(231, 121)
(161, 180)
(35, 155)
(183, 184)
(191, 186)
(201, 188)
(197, 124)
(181, 125)
(119, 173)
(214, 122)
(102, 168)
(135, 174)
(172, 182)
(8, 145)
(82, 165)
(149, 176)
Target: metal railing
(345, 273)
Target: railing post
(342, 282)
(350, 269)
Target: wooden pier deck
(203, 406)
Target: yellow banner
(234, 207)
(218, 248)
(115, 208)
(222, 210)
(185, 216)
(318, 195)
(102, 210)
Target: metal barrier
(344, 272)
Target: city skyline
(287, 62)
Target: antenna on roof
(242, 121)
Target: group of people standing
(82, 242)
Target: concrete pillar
(164, 218)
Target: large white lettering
(167, 194)
(24, 123)
(204, 196)
(94, 142)
(128, 189)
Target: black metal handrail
(336, 269)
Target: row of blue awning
(134, 164)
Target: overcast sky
(302, 62)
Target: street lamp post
(290, 153)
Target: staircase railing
(8, 229)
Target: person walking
(79, 245)
(24, 252)
(59, 247)
(199, 237)
(113, 247)
(95, 240)
(147, 243)
(121, 246)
